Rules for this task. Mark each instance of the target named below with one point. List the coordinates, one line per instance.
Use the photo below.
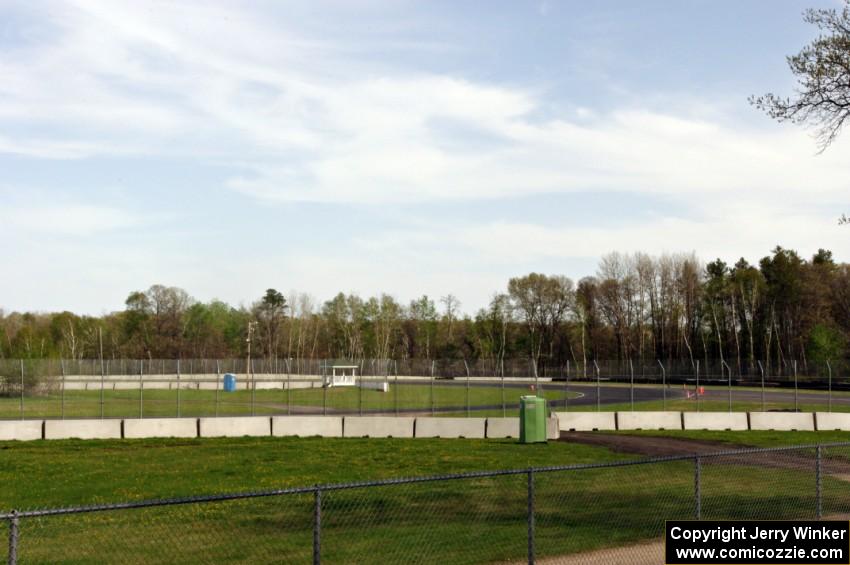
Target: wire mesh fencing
(145, 388)
(578, 514)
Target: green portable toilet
(532, 419)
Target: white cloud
(320, 120)
(43, 148)
(73, 219)
(732, 233)
(134, 78)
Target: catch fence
(642, 370)
(572, 514)
(143, 388)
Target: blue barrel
(229, 382)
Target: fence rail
(574, 511)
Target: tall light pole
(249, 374)
(248, 341)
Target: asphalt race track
(622, 394)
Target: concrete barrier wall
(832, 421)
(378, 426)
(553, 431)
(782, 421)
(235, 427)
(408, 427)
(198, 384)
(21, 430)
(305, 426)
(451, 427)
(715, 421)
(586, 421)
(82, 429)
(649, 420)
(161, 427)
(502, 427)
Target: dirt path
(667, 447)
(651, 553)
(648, 445)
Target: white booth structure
(341, 375)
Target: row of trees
(637, 307)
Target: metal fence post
(632, 385)
(253, 388)
(324, 398)
(288, 388)
(566, 388)
(530, 516)
(317, 526)
(217, 380)
(178, 388)
(62, 401)
(796, 409)
(102, 384)
(698, 488)
(697, 391)
(504, 407)
(663, 385)
(22, 389)
(141, 389)
(467, 387)
(13, 539)
(829, 368)
(818, 489)
(433, 408)
(598, 386)
(761, 370)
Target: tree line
(638, 307)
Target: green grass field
(478, 520)
(163, 403)
(93, 471)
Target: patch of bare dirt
(648, 445)
(649, 553)
(838, 467)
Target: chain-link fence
(143, 388)
(577, 514)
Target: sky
(403, 147)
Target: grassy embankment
(471, 520)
